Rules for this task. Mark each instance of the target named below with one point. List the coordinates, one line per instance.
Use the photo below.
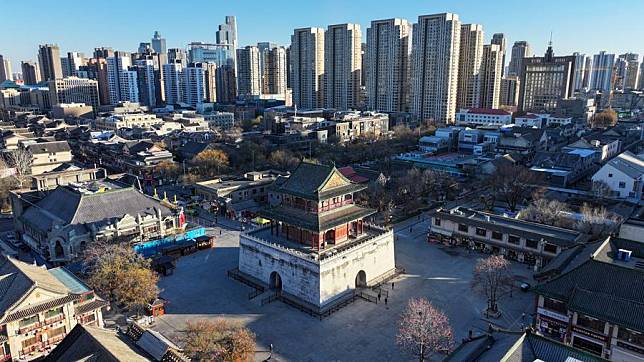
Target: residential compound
(39, 307)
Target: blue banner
(149, 248)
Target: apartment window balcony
(55, 319)
(29, 328)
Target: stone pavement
(362, 331)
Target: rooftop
(317, 182)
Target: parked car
(525, 287)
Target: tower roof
(317, 182)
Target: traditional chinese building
(39, 307)
(318, 246)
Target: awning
(442, 232)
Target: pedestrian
(219, 232)
(410, 229)
(378, 296)
(392, 286)
(523, 316)
(385, 300)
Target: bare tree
(21, 159)
(210, 162)
(512, 183)
(168, 170)
(547, 212)
(283, 160)
(424, 330)
(605, 118)
(218, 340)
(492, 276)
(595, 221)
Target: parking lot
(362, 331)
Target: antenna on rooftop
(550, 41)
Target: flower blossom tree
(424, 330)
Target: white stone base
(318, 282)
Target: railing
(32, 348)
(29, 328)
(55, 319)
(254, 293)
(270, 299)
(366, 296)
(236, 275)
(54, 340)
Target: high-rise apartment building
(307, 67)
(520, 50)
(158, 43)
(49, 61)
(602, 73)
(226, 82)
(500, 40)
(545, 80)
(274, 70)
(74, 90)
(74, 61)
(263, 48)
(103, 52)
(122, 81)
(210, 82)
(509, 91)
(580, 71)
(640, 83)
(248, 71)
(491, 74)
(342, 62)
(173, 82)
(147, 84)
(4, 72)
(469, 67)
(588, 67)
(96, 69)
(387, 60)
(194, 84)
(435, 54)
(30, 73)
(628, 70)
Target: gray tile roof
(532, 347)
(308, 178)
(18, 278)
(70, 207)
(88, 343)
(47, 147)
(602, 290)
(629, 164)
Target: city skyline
(569, 22)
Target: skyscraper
(545, 80)
(499, 39)
(4, 72)
(177, 54)
(491, 70)
(30, 73)
(158, 43)
(588, 67)
(580, 70)
(469, 68)
(342, 62)
(122, 81)
(629, 74)
(509, 91)
(274, 71)
(227, 33)
(640, 85)
(248, 71)
(173, 82)
(307, 65)
(227, 37)
(49, 61)
(435, 53)
(194, 89)
(387, 60)
(103, 52)
(145, 74)
(520, 50)
(210, 82)
(602, 72)
(263, 48)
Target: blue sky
(80, 25)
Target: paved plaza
(362, 331)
